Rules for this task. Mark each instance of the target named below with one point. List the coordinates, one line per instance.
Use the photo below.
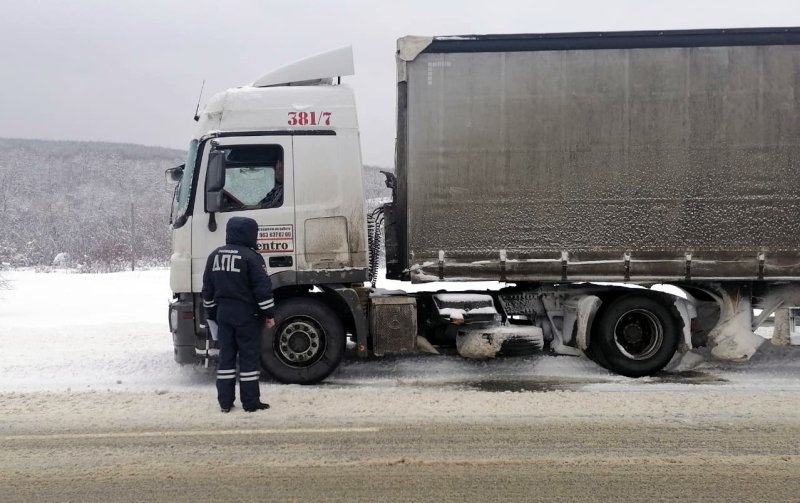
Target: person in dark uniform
(237, 294)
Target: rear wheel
(636, 336)
(306, 344)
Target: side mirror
(215, 180)
(174, 175)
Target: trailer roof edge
(615, 40)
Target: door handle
(282, 261)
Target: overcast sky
(130, 71)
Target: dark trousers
(239, 336)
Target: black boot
(256, 407)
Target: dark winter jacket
(236, 275)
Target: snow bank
(88, 332)
(109, 332)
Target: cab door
(259, 184)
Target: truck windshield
(183, 193)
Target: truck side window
(253, 177)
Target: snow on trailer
(644, 156)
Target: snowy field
(63, 335)
(64, 332)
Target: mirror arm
(212, 222)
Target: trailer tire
(306, 344)
(636, 336)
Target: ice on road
(62, 332)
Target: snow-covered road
(95, 409)
(64, 336)
(108, 332)
(532, 461)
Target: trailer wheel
(306, 344)
(636, 336)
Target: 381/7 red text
(309, 118)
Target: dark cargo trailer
(640, 156)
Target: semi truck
(578, 170)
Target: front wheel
(306, 344)
(636, 336)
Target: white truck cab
(284, 151)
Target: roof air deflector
(319, 69)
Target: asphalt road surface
(519, 459)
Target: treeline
(68, 204)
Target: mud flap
(587, 310)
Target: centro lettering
(275, 246)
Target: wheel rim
(300, 342)
(639, 334)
